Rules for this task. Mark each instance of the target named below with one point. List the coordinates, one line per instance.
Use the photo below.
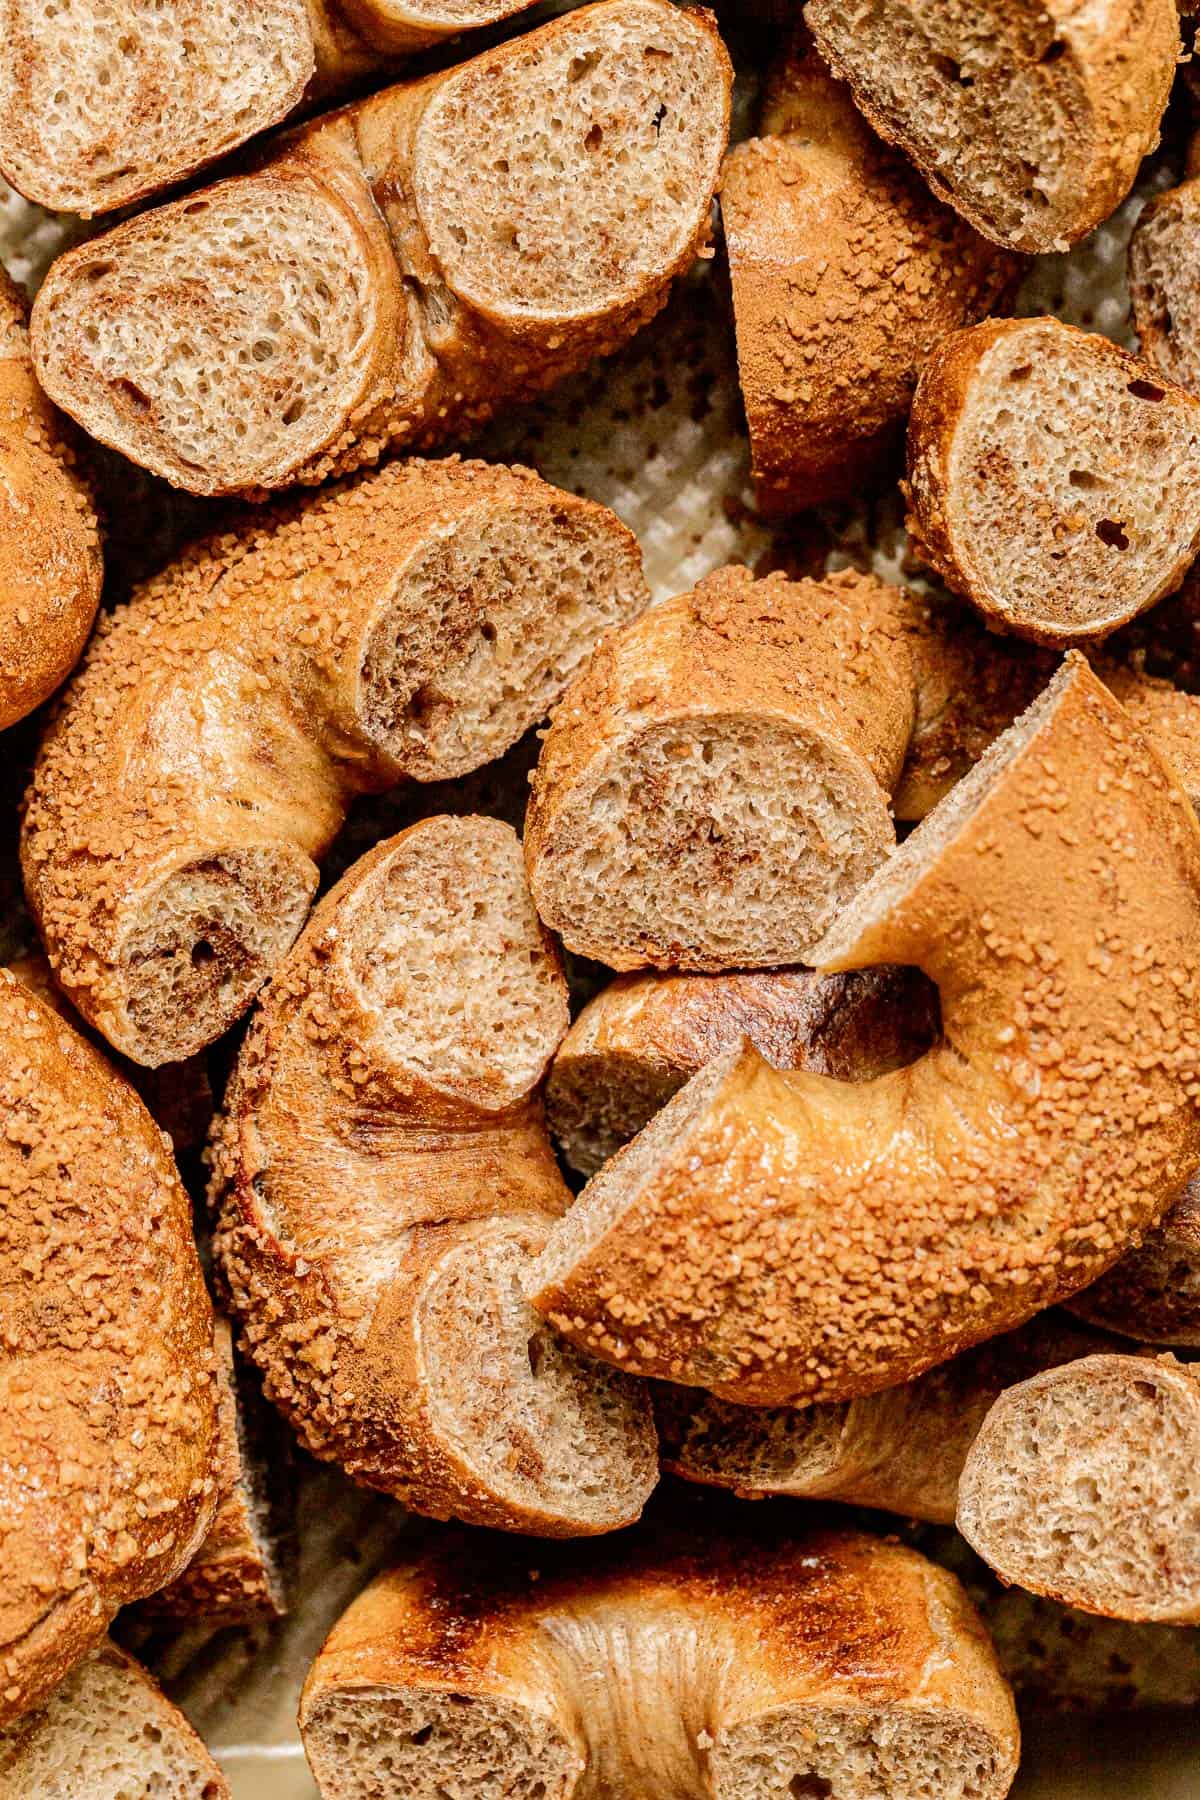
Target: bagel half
(410, 625)
(681, 1660)
(781, 1237)
(395, 273)
(714, 787)
(51, 566)
(384, 1178)
(107, 1384)
(1083, 1486)
(1053, 479)
(1164, 277)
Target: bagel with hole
(643, 1036)
(108, 1434)
(411, 625)
(846, 273)
(714, 786)
(1083, 1486)
(779, 1237)
(901, 1450)
(690, 1657)
(51, 565)
(1053, 479)
(1030, 117)
(384, 1176)
(394, 274)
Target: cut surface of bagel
(1053, 479)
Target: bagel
(108, 1732)
(237, 1577)
(901, 1450)
(1164, 257)
(1053, 479)
(383, 1176)
(673, 1660)
(51, 566)
(1082, 1486)
(412, 624)
(1153, 1294)
(107, 1397)
(99, 108)
(781, 1237)
(846, 273)
(1029, 116)
(643, 1036)
(714, 786)
(397, 272)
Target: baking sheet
(657, 435)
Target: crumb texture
(107, 1733)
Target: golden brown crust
(644, 1035)
(51, 567)
(262, 635)
(234, 1577)
(1121, 57)
(824, 660)
(739, 1626)
(944, 394)
(846, 274)
(428, 362)
(797, 1239)
(107, 1374)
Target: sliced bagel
(1029, 116)
(384, 1178)
(1084, 1485)
(714, 787)
(1153, 1294)
(1164, 283)
(1053, 479)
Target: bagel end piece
(778, 1237)
(669, 1660)
(1153, 1294)
(385, 1177)
(414, 623)
(1083, 1486)
(642, 1037)
(714, 786)
(1029, 117)
(1164, 274)
(901, 1450)
(237, 1575)
(107, 1391)
(1053, 479)
(846, 273)
(107, 1732)
(51, 566)
(395, 273)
